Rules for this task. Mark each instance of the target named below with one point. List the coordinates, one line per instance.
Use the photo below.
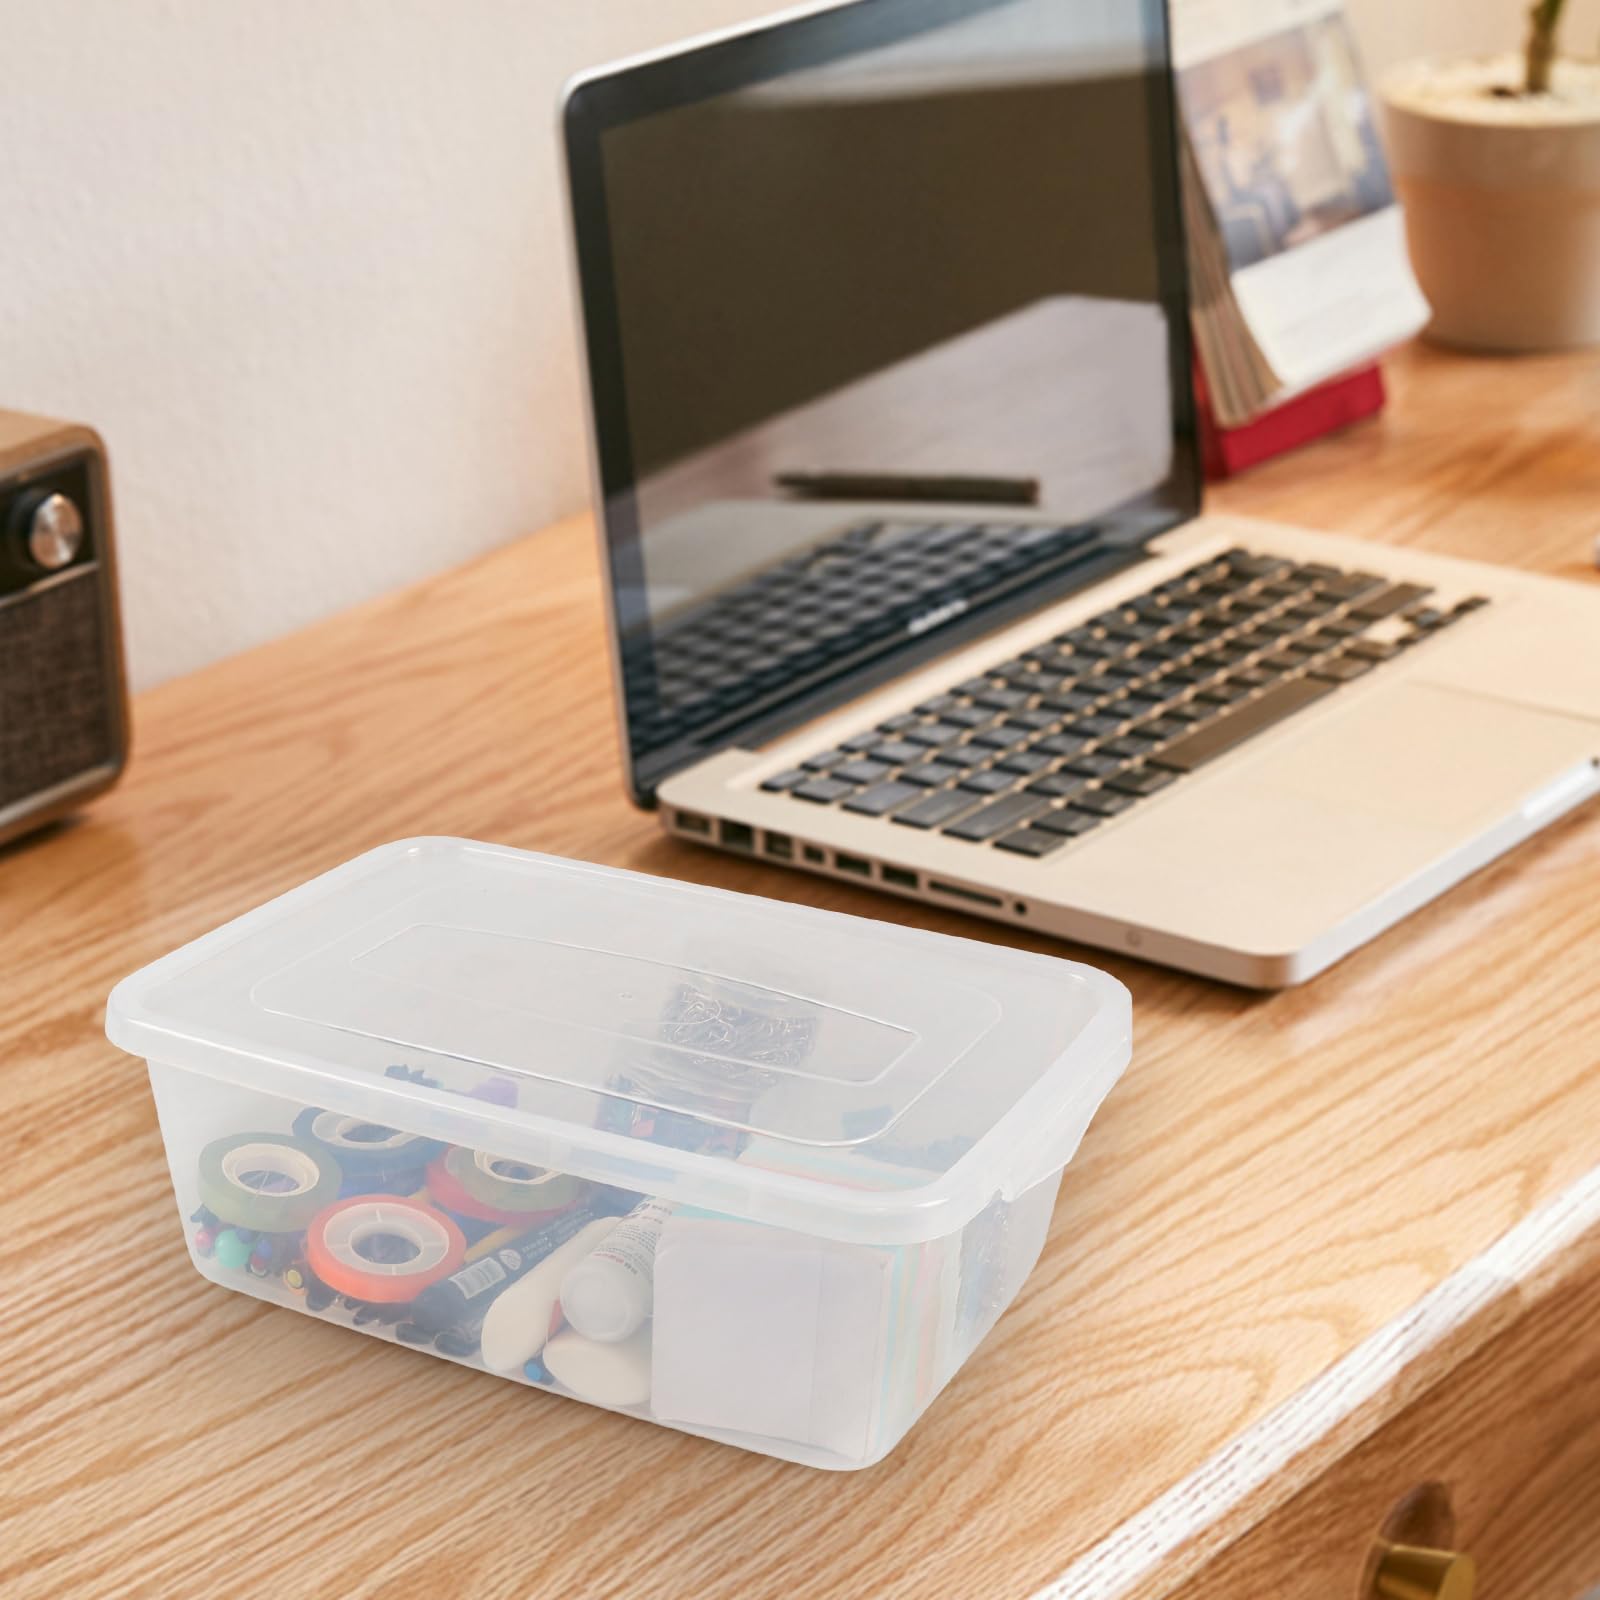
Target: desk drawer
(1512, 1440)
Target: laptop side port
(780, 846)
(957, 892)
(899, 878)
(856, 866)
(692, 822)
(738, 835)
(813, 855)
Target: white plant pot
(1502, 201)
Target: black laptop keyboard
(1044, 748)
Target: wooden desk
(1319, 1248)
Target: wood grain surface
(1297, 1218)
(1509, 1441)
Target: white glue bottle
(516, 1325)
(609, 1293)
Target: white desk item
(834, 1144)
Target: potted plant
(1498, 164)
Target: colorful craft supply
(231, 1251)
(371, 1156)
(266, 1182)
(382, 1248)
(463, 1299)
(447, 1191)
(508, 1186)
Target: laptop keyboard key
(1025, 762)
(1102, 802)
(1038, 682)
(935, 809)
(897, 752)
(1388, 601)
(1031, 842)
(1227, 732)
(1059, 785)
(886, 797)
(821, 762)
(1095, 766)
(1341, 669)
(991, 781)
(780, 781)
(1096, 727)
(998, 817)
(1140, 781)
(930, 775)
(1068, 821)
(861, 771)
(1253, 566)
(970, 716)
(1352, 585)
(1005, 737)
(1001, 699)
(823, 791)
(1071, 704)
(1341, 627)
(933, 733)
(964, 755)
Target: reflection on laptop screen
(895, 323)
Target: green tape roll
(509, 1185)
(266, 1181)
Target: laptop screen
(887, 338)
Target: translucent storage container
(751, 1170)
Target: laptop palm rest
(1318, 823)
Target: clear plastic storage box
(755, 1171)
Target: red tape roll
(382, 1248)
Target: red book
(1328, 407)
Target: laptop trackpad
(1303, 827)
(1430, 756)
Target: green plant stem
(1543, 18)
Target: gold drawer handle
(1409, 1572)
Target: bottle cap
(596, 1302)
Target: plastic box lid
(821, 1072)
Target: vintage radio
(63, 700)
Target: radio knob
(51, 530)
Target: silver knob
(53, 532)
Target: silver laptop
(886, 326)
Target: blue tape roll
(367, 1152)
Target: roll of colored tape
(447, 1192)
(364, 1149)
(382, 1248)
(266, 1181)
(511, 1186)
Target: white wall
(303, 264)
(1396, 30)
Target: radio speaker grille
(54, 712)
